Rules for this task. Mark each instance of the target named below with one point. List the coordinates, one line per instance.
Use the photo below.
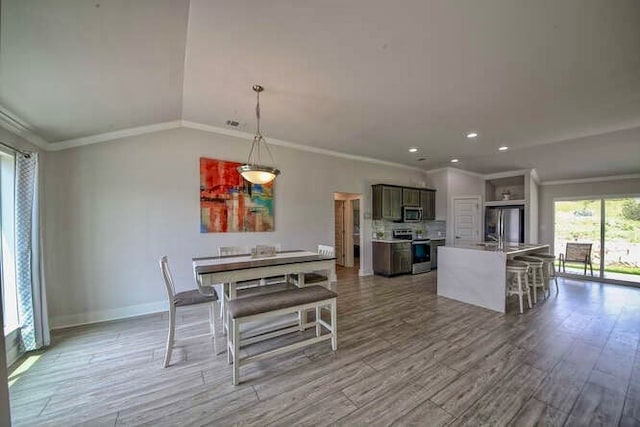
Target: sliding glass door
(578, 221)
(622, 239)
(610, 225)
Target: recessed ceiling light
(503, 148)
(413, 149)
(455, 160)
(472, 135)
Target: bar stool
(535, 272)
(549, 269)
(517, 281)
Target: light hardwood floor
(405, 357)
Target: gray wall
(112, 209)
(547, 194)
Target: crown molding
(462, 171)
(110, 136)
(535, 177)
(119, 134)
(293, 145)
(466, 172)
(594, 179)
(14, 124)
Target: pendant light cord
(258, 139)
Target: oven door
(421, 256)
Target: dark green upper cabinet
(410, 197)
(428, 204)
(388, 201)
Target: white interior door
(466, 218)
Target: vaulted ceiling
(556, 82)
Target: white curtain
(32, 305)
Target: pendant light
(253, 171)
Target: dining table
(227, 271)
(238, 268)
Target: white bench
(261, 307)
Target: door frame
(480, 227)
(348, 197)
(602, 198)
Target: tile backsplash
(430, 229)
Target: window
(611, 225)
(7, 245)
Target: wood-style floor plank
(405, 357)
(537, 413)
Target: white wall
(114, 208)
(532, 210)
(462, 184)
(438, 180)
(547, 194)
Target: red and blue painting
(231, 204)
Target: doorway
(347, 229)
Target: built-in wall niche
(512, 187)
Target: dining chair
(317, 277)
(238, 250)
(233, 250)
(201, 295)
(274, 280)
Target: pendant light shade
(254, 171)
(258, 174)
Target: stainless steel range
(420, 251)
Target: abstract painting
(229, 203)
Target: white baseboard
(363, 273)
(13, 346)
(67, 320)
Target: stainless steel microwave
(411, 214)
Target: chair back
(328, 251)
(168, 280)
(233, 250)
(578, 252)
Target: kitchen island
(475, 273)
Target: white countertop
(507, 249)
(391, 240)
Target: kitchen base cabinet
(390, 259)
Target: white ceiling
(363, 77)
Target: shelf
(505, 203)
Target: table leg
(302, 314)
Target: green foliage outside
(579, 221)
(631, 210)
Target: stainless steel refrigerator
(506, 222)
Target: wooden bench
(578, 253)
(261, 307)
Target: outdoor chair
(577, 253)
